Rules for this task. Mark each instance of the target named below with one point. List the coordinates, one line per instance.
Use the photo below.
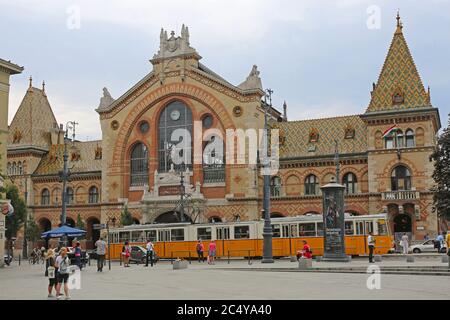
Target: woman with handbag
(50, 271)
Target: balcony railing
(400, 195)
(213, 175)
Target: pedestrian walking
(126, 253)
(200, 248)
(211, 252)
(62, 263)
(50, 271)
(404, 242)
(371, 244)
(101, 252)
(306, 251)
(447, 241)
(77, 254)
(439, 242)
(150, 251)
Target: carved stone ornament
(17, 136)
(115, 125)
(313, 135)
(106, 100)
(237, 111)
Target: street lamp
(113, 220)
(65, 174)
(267, 230)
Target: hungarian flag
(390, 131)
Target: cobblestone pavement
(220, 281)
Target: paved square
(236, 280)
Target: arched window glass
(93, 194)
(400, 179)
(350, 182)
(14, 168)
(9, 170)
(69, 195)
(45, 197)
(139, 165)
(175, 137)
(410, 138)
(311, 185)
(275, 187)
(214, 161)
(399, 139)
(389, 142)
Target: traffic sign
(99, 226)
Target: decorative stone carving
(106, 100)
(174, 46)
(253, 80)
(17, 136)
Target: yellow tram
(244, 238)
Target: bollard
(304, 264)
(445, 259)
(249, 258)
(19, 259)
(228, 257)
(171, 257)
(378, 258)
(180, 264)
(190, 262)
(410, 259)
(294, 259)
(120, 259)
(319, 258)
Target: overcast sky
(321, 56)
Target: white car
(427, 246)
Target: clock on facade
(175, 115)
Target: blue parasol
(63, 231)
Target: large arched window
(410, 138)
(400, 179)
(399, 141)
(311, 185)
(93, 194)
(350, 182)
(69, 195)
(213, 161)
(45, 197)
(139, 165)
(14, 168)
(275, 186)
(175, 137)
(9, 170)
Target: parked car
(426, 246)
(139, 254)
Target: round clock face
(175, 115)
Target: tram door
(222, 233)
(164, 235)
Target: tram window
(276, 231)
(124, 236)
(294, 231)
(369, 226)
(242, 232)
(163, 235)
(137, 236)
(320, 229)
(223, 233)
(359, 227)
(177, 235)
(382, 227)
(307, 230)
(285, 231)
(349, 228)
(204, 233)
(150, 235)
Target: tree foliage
(441, 175)
(80, 222)
(126, 219)
(15, 221)
(33, 232)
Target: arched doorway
(44, 224)
(214, 219)
(276, 215)
(92, 235)
(136, 221)
(70, 222)
(172, 217)
(402, 223)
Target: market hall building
(131, 166)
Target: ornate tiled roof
(399, 85)
(308, 138)
(33, 121)
(83, 157)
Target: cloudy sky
(321, 56)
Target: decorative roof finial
(43, 86)
(399, 23)
(285, 111)
(31, 81)
(429, 94)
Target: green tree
(441, 175)
(33, 233)
(80, 222)
(126, 219)
(16, 220)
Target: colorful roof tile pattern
(82, 158)
(296, 136)
(399, 85)
(33, 120)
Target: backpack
(199, 247)
(64, 266)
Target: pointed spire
(429, 94)
(31, 82)
(399, 23)
(43, 86)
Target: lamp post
(267, 230)
(182, 192)
(65, 174)
(113, 220)
(25, 244)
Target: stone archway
(92, 235)
(276, 215)
(402, 223)
(44, 224)
(171, 217)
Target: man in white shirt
(371, 244)
(101, 252)
(150, 250)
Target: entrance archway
(171, 217)
(402, 223)
(92, 235)
(44, 224)
(276, 215)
